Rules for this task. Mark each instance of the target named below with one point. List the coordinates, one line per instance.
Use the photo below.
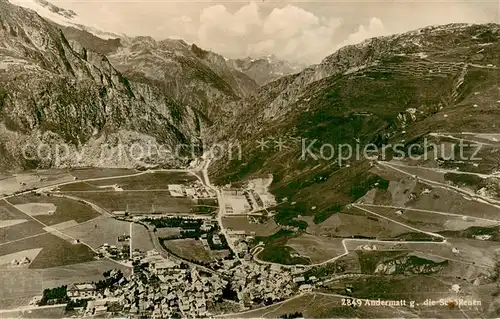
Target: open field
(8, 212)
(422, 172)
(354, 222)
(82, 186)
(353, 245)
(34, 179)
(204, 209)
(66, 210)
(476, 157)
(168, 232)
(20, 231)
(11, 222)
(428, 221)
(448, 201)
(36, 209)
(477, 252)
(399, 191)
(19, 285)
(491, 301)
(470, 252)
(88, 173)
(417, 288)
(460, 271)
(414, 195)
(31, 254)
(189, 249)
(82, 272)
(55, 252)
(140, 238)
(317, 249)
(156, 180)
(266, 228)
(489, 139)
(459, 266)
(57, 311)
(147, 181)
(140, 202)
(463, 180)
(100, 230)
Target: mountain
(189, 73)
(192, 75)
(199, 78)
(364, 224)
(265, 69)
(386, 90)
(63, 17)
(54, 92)
(64, 84)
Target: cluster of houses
(161, 287)
(178, 289)
(255, 283)
(120, 252)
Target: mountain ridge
(386, 90)
(55, 90)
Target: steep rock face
(409, 265)
(240, 82)
(89, 40)
(60, 92)
(199, 78)
(69, 14)
(63, 17)
(384, 91)
(266, 69)
(192, 75)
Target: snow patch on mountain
(63, 17)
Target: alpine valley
(291, 217)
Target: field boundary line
(24, 238)
(429, 211)
(475, 197)
(401, 224)
(63, 234)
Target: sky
(298, 31)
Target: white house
(81, 291)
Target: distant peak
(69, 14)
(62, 17)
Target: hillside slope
(266, 69)
(192, 75)
(54, 92)
(386, 90)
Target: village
(164, 284)
(161, 287)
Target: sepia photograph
(250, 159)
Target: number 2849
(352, 302)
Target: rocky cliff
(58, 92)
(265, 69)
